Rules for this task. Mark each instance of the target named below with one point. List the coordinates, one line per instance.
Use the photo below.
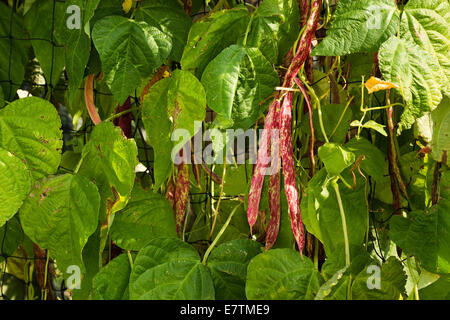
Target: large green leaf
(228, 265)
(158, 128)
(416, 72)
(111, 283)
(148, 215)
(130, 51)
(48, 51)
(77, 44)
(275, 27)
(440, 143)
(320, 211)
(170, 18)
(425, 235)
(220, 79)
(359, 26)
(210, 35)
(392, 282)
(30, 129)
(170, 269)
(110, 159)
(59, 215)
(439, 290)
(335, 158)
(15, 184)
(12, 60)
(237, 82)
(281, 274)
(427, 23)
(173, 103)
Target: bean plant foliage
(354, 100)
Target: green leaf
(210, 35)
(12, 236)
(111, 283)
(30, 129)
(417, 74)
(440, 143)
(170, 269)
(439, 290)
(147, 215)
(110, 159)
(228, 265)
(159, 129)
(48, 51)
(237, 82)
(335, 158)
(425, 235)
(373, 157)
(130, 51)
(274, 28)
(77, 46)
(370, 125)
(281, 274)
(392, 282)
(256, 81)
(170, 18)
(320, 211)
(173, 103)
(12, 60)
(15, 183)
(220, 79)
(359, 26)
(325, 290)
(427, 23)
(59, 215)
(186, 101)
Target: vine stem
(216, 211)
(222, 230)
(344, 223)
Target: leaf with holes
(109, 159)
(29, 129)
(59, 215)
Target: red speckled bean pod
(181, 193)
(290, 182)
(274, 182)
(260, 169)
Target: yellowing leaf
(126, 5)
(375, 84)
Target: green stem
(130, 258)
(344, 223)
(117, 115)
(222, 230)
(247, 30)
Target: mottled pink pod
(262, 161)
(274, 181)
(290, 182)
(181, 193)
(274, 208)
